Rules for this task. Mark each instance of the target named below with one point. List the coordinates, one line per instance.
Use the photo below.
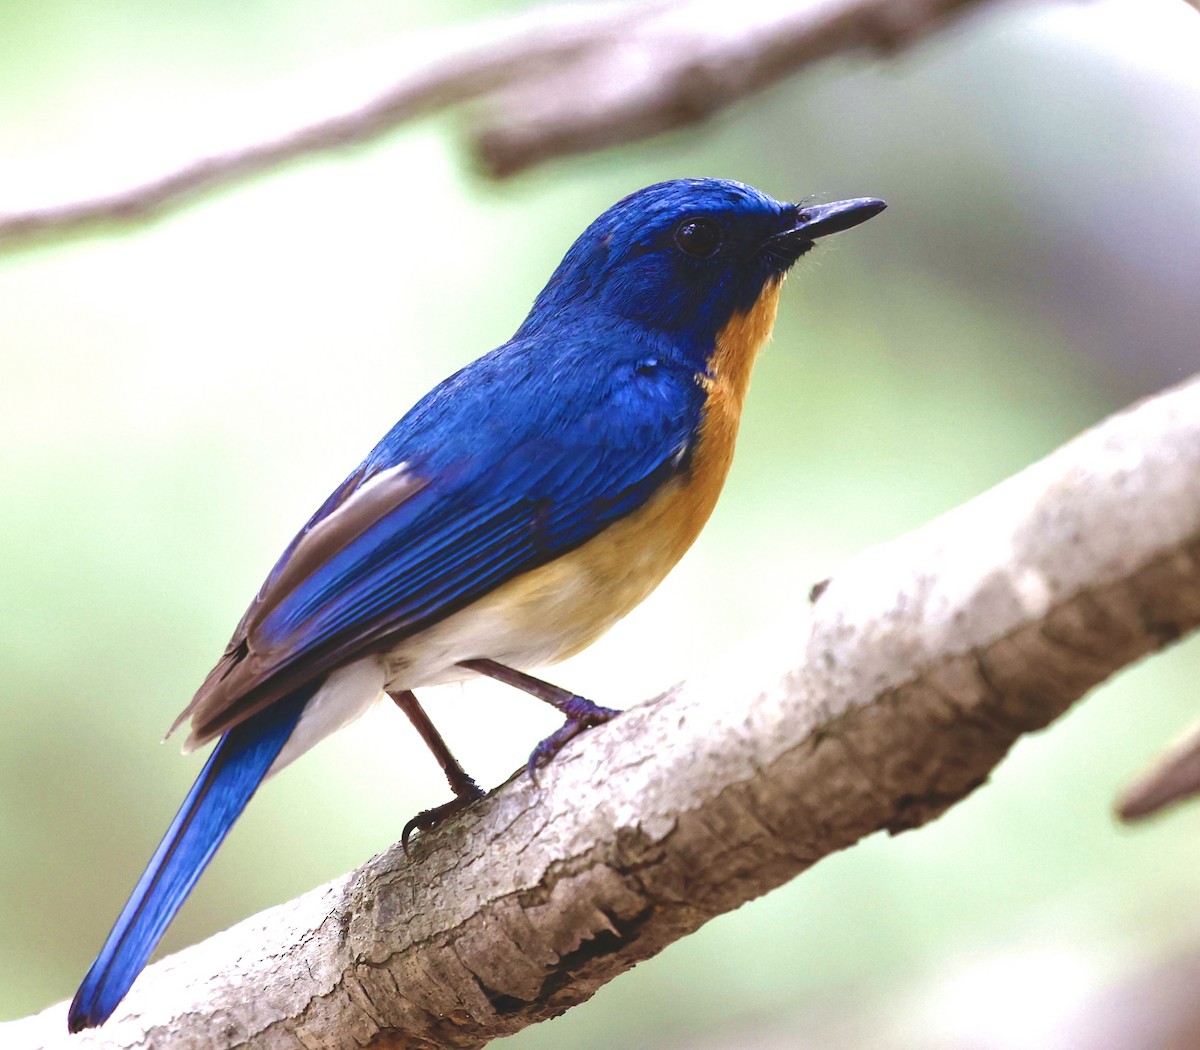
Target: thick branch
(917, 669)
(563, 79)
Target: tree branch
(560, 80)
(1173, 778)
(916, 670)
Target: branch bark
(918, 667)
(560, 80)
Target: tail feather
(230, 777)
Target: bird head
(682, 258)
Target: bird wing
(436, 520)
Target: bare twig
(921, 664)
(1174, 777)
(562, 79)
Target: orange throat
(728, 379)
(739, 343)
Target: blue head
(683, 258)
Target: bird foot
(464, 794)
(581, 714)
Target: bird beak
(820, 220)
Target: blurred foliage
(177, 398)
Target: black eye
(698, 238)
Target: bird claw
(429, 819)
(581, 714)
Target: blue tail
(230, 777)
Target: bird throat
(738, 345)
(725, 383)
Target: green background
(177, 397)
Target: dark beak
(820, 220)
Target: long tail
(230, 777)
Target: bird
(513, 515)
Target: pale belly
(562, 607)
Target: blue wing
(512, 462)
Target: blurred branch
(559, 80)
(1174, 777)
(918, 667)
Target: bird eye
(698, 238)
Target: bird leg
(581, 713)
(465, 789)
